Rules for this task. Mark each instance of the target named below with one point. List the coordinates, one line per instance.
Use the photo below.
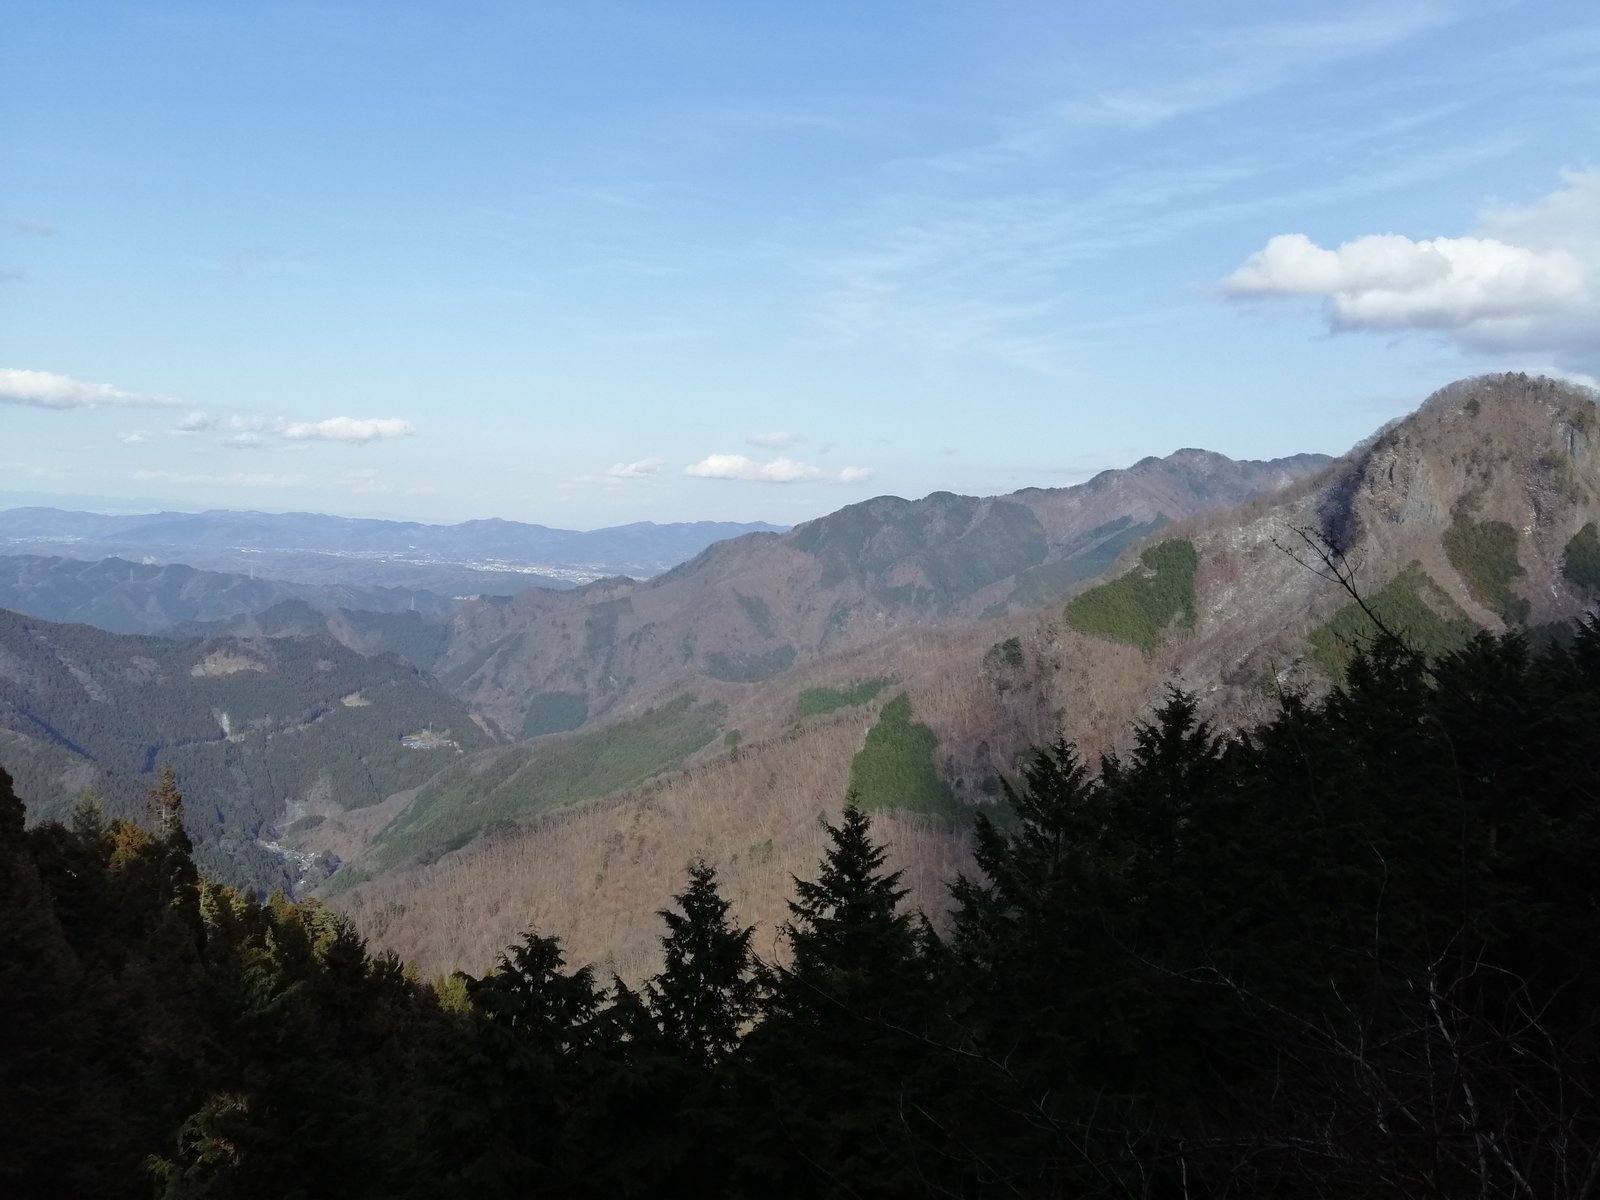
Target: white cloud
(642, 469)
(242, 441)
(777, 470)
(347, 429)
(195, 422)
(32, 227)
(137, 438)
(1386, 281)
(773, 441)
(1530, 281)
(45, 389)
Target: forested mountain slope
(417, 637)
(128, 597)
(265, 732)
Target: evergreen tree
(1347, 952)
(660, 1115)
(848, 938)
(1023, 928)
(41, 1071)
(839, 1068)
(13, 816)
(529, 995)
(530, 1067)
(709, 988)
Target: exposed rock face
(1504, 447)
(1504, 450)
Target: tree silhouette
(709, 989)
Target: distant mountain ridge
(308, 546)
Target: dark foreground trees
(1353, 951)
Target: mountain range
(488, 556)
(749, 609)
(910, 651)
(759, 606)
(1481, 511)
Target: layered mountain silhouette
(489, 556)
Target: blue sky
(585, 264)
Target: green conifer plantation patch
(1408, 605)
(535, 778)
(895, 769)
(1139, 606)
(1485, 554)
(1581, 563)
(815, 701)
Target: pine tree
(848, 936)
(530, 995)
(709, 989)
(1159, 786)
(840, 1064)
(170, 868)
(512, 1134)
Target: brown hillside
(749, 609)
